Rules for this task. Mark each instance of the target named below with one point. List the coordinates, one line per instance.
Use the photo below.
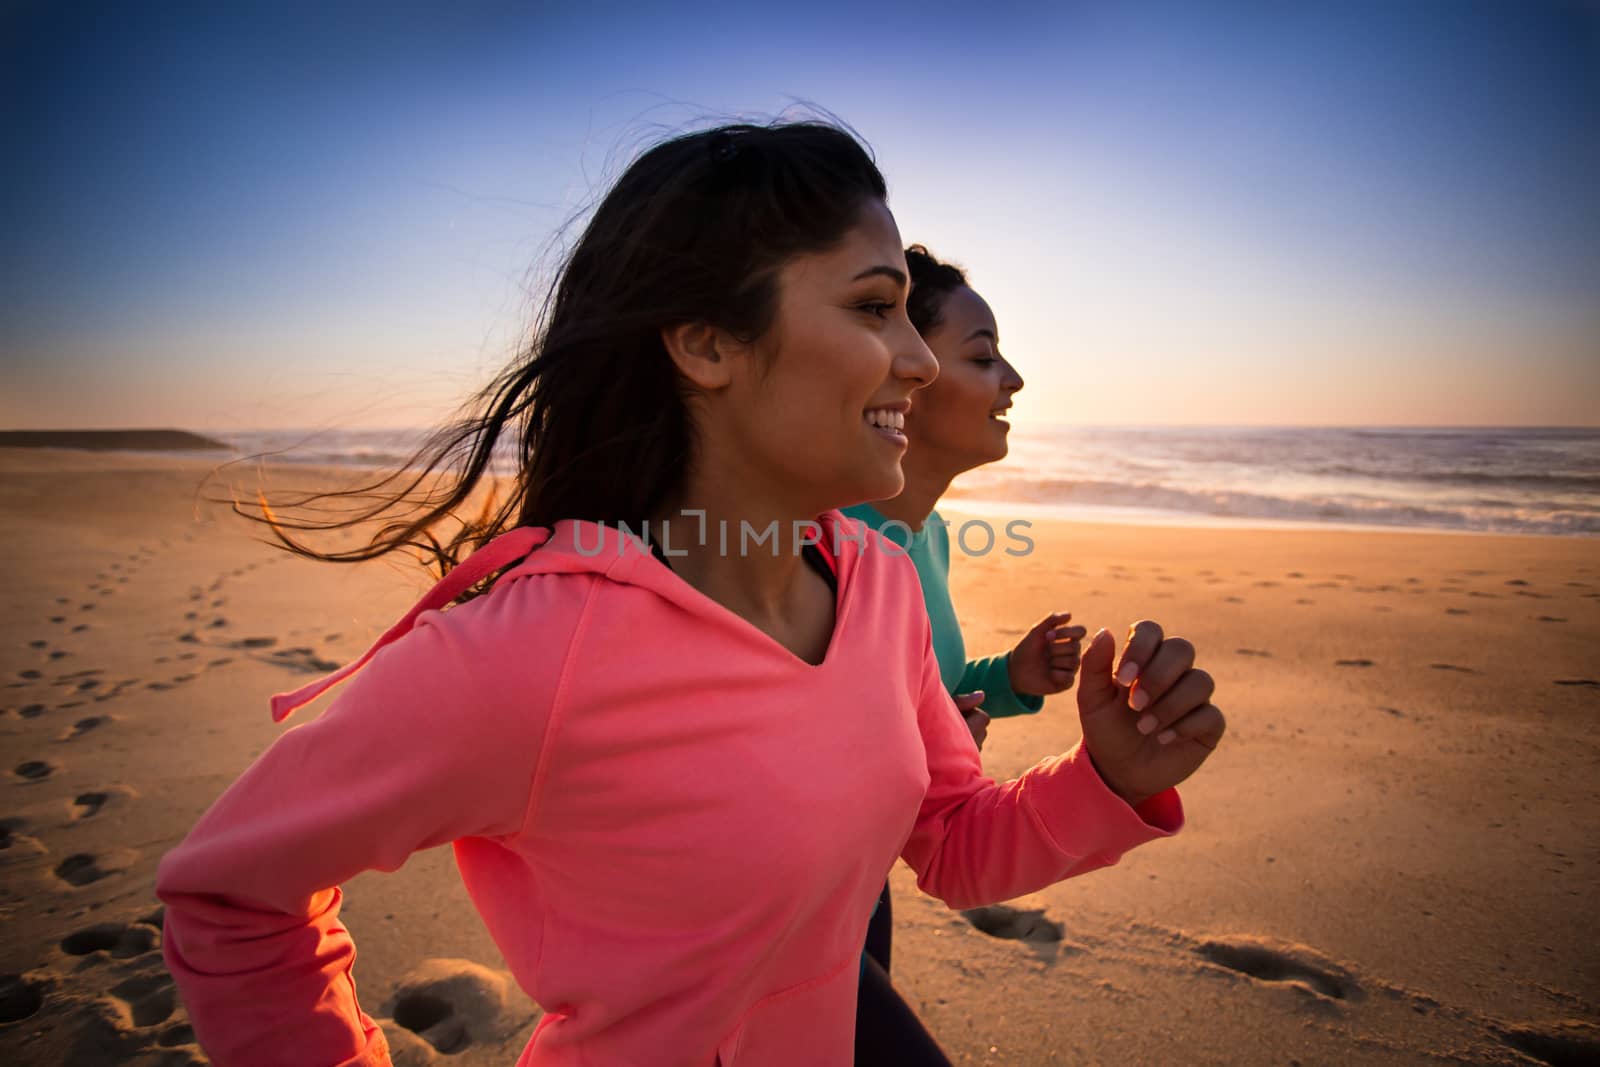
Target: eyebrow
(981, 332)
(899, 276)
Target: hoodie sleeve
(976, 842)
(992, 675)
(438, 738)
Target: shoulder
(514, 638)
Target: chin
(886, 486)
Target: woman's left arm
(976, 841)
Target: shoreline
(1089, 515)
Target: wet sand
(1390, 859)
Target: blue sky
(1237, 213)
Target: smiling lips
(889, 421)
(886, 418)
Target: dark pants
(888, 1032)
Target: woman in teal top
(955, 425)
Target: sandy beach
(1392, 858)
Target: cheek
(955, 404)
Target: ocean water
(1505, 480)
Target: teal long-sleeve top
(929, 549)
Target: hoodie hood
(572, 546)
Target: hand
(1046, 660)
(977, 721)
(1152, 724)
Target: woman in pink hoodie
(675, 770)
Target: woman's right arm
(438, 738)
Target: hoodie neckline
(636, 565)
(734, 619)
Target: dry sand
(1391, 859)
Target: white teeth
(886, 419)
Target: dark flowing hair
(696, 229)
(931, 282)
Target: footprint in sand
(86, 868)
(1550, 618)
(172, 1036)
(1516, 581)
(304, 660)
(88, 805)
(1282, 961)
(253, 642)
(32, 711)
(151, 998)
(1352, 663)
(37, 644)
(80, 628)
(1566, 1041)
(452, 1004)
(21, 997)
(1232, 600)
(34, 770)
(1585, 682)
(1452, 667)
(30, 675)
(120, 941)
(17, 845)
(1012, 924)
(1457, 611)
(83, 726)
(1252, 652)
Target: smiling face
(819, 404)
(958, 423)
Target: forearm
(986, 842)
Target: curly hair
(931, 282)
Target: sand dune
(1391, 859)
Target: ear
(702, 353)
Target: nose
(1010, 381)
(913, 359)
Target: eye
(986, 361)
(877, 308)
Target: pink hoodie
(674, 829)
